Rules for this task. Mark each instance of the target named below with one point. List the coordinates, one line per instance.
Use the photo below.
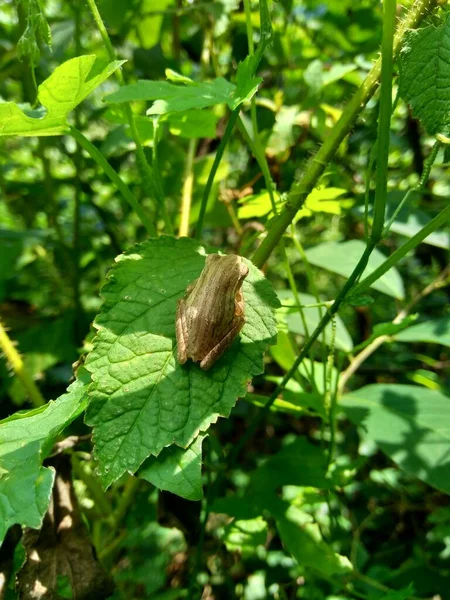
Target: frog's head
(232, 268)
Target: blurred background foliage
(62, 223)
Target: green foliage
(433, 331)
(424, 64)
(303, 463)
(177, 470)
(25, 440)
(342, 258)
(66, 87)
(409, 423)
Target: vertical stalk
(77, 160)
(384, 119)
(187, 190)
(220, 150)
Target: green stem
(78, 163)
(384, 120)
(358, 270)
(439, 220)
(220, 150)
(114, 177)
(417, 188)
(320, 161)
(186, 197)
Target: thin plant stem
(17, 365)
(360, 267)
(186, 197)
(78, 163)
(384, 120)
(220, 150)
(439, 220)
(320, 161)
(114, 177)
(417, 188)
(362, 356)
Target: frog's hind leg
(223, 345)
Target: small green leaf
(425, 75)
(283, 469)
(342, 258)
(303, 539)
(359, 300)
(435, 331)
(169, 97)
(282, 136)
(177, 470)
(142, 399)
(25, 486)
(245, 536)
(410, 424)
(389, 329)
(403, 594)
(246, 82)
(312, 316)
(67, 86)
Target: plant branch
(186, 197)
(319, 162)
(220, 150)
(358, 360)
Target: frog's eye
(213, 258)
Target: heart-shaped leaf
(142, 399)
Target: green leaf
(177, 470)
(403, 594)
(193, 124)
(342, 258)
(312, 316)
(246, 82)
(359, 300)
(255, 205)
(425, 75)
(389, 329)
(142, 400)
(245, 536)
(410, 424)
(435, 331)
(284, 354)
(170, 97)
(25, 438)
(67, 86)
(283, 469)
(410, 220)
(282, 136)
(302, 537)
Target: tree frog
(211, 314)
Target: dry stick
(319, 162)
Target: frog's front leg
(181, 331)
(223, 345)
